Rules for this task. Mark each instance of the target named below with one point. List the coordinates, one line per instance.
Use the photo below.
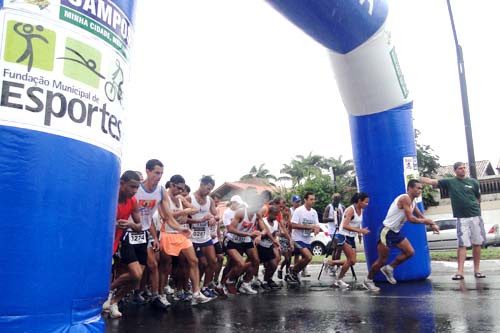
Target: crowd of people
(170, 240)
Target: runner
(333, 214)
(349, 230)
(268, 248)
(234, 203)
(215, 233)
(174, 243)
(304, 223)
(201, 237)
(133, 253)
(286, 246)
(403, 208)
(239, 241)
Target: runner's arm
(233, 227)
(325, 215)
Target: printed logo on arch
(30, 44)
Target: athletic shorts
(199, 246)
(266, 253)
(341, 239)
(470, 231)
(133, 252)
(240, 247)
(390, 238)
(284, 245)
(300, 245)
(218, 248)
(172, 243)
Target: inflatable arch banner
(377, 99)
(64, 67)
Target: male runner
(403, 208)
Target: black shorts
(240, 247)
(266, 253)
(218, 248)
(133, 252)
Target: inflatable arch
(64, 76)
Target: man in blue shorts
(403, 208)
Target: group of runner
(171, 241)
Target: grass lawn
(489, 253)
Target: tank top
(148, 204)
(266, 241)
(355, 222)
(201, 231)
(245, 225)
(123, 212)
(173, 208)
(396, 217)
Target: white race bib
(137, 238)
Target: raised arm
(429, 181)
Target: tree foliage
(259, 173)
(428, 164)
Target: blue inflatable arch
(60, 144)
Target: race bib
(198, 232)
(239, 239)
(137, 238)
(307, 232)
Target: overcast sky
(219, 86)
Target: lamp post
(465, 99)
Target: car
(447, 237)
(319, 242)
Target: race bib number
(307, 232)
(198, 232)
(239, 239)
(137, 238)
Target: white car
(447, 237)
(319, 242)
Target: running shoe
(208, 292)
(138, 299)
(280, 274)
(231, 288)
(273, 285)
(114, 312)
(368, 284)
(245, 288)
(219, 290)
(161, 302)
(294, 277)
(188, 296)
(388, 272)
(265, 286)
(168, 290)
(199, 298)
(107, 304)
(341, 284)
(179, 295)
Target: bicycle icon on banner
(113, 88)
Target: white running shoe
(169, 290)
(388, 271)
(199, 298)
(114, 312)
(341, 284)
(245, 288)
(107, 304)
(368, 284)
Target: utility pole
(465, 99)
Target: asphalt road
(437, 304)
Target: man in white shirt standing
(304, 223)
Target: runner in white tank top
(200, 224)
(239, 241)
(402, 208)
(350, 228)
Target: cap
(296, 198)
(237, 199)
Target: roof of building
(227, 187)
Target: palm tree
(259, 173)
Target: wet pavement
(437, 304)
